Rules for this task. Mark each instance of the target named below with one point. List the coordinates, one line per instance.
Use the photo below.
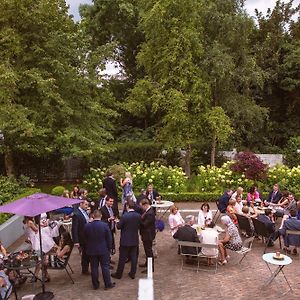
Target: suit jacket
(269, 224)
(147, 230)
(223, 202)
(155, 194)
(276, 197)
(291, 239)
(98, 238)
(129, 224)
(111, 187)
(106, 216)
(188, 234)
(78, 223)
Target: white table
(162, 207)
(268, 258)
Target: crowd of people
(94, 225)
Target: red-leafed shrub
(250, 165)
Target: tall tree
(48, 104)
(174, 85)
(276, 44)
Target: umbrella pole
(42, 256)
(43, 295)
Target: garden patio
(232, 281)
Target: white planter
(11, 230)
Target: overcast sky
(261, 5)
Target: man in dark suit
(151, 194)
(98, 244)
(147, 230)
(223, 201)
(187, 233)
(109, 183)
(274, 196)
(291, 223)
(103, 197)
(80, 219)
(129, 241)
(109, 215)
(268, 220)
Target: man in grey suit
(291, 224)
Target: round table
(162, 207)
(269, 259)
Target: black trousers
(85, 260)
(148, 250)
(130, 252)
(104, 262)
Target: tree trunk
(213, 151)
(9, 162)
(186, 161)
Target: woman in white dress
(175, 219)
(205, 215)
(32, 234)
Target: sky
(261, 5)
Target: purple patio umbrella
(32, 206)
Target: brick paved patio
(170, 282)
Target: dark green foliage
(58, 190)
(292, 152)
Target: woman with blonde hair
(127, 190)
(175, 219)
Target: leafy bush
(25, 192)
(197, 196)
(9, 188)
(162, 177)
(250, 165)
(292, 157)
(58, 190)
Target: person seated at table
(253, 195)
(205, 215)
(14, 275)
(286, 205)
(274, 196)
(231, 211)
(268, 219)
(151, 194)
(246, 212)
(187, 233)
(238, 204)
(232, 240)
(5, 286)
(290, 223)
(238, 193)
(175, 219)
(223, 201)
(65, 246)
(298, 209)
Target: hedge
(27, 192)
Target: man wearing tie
(98, 244)
(147, 230)
(274, 196)
(109, 215)
(80, 219)
(103, 197)
(129, 241)
(151, 194)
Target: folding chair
(64, 266)
(262, 230)
(188, 250)
(218, 213)
(246, 248)
(289, 233)
(244, 224)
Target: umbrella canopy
(36, 204)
